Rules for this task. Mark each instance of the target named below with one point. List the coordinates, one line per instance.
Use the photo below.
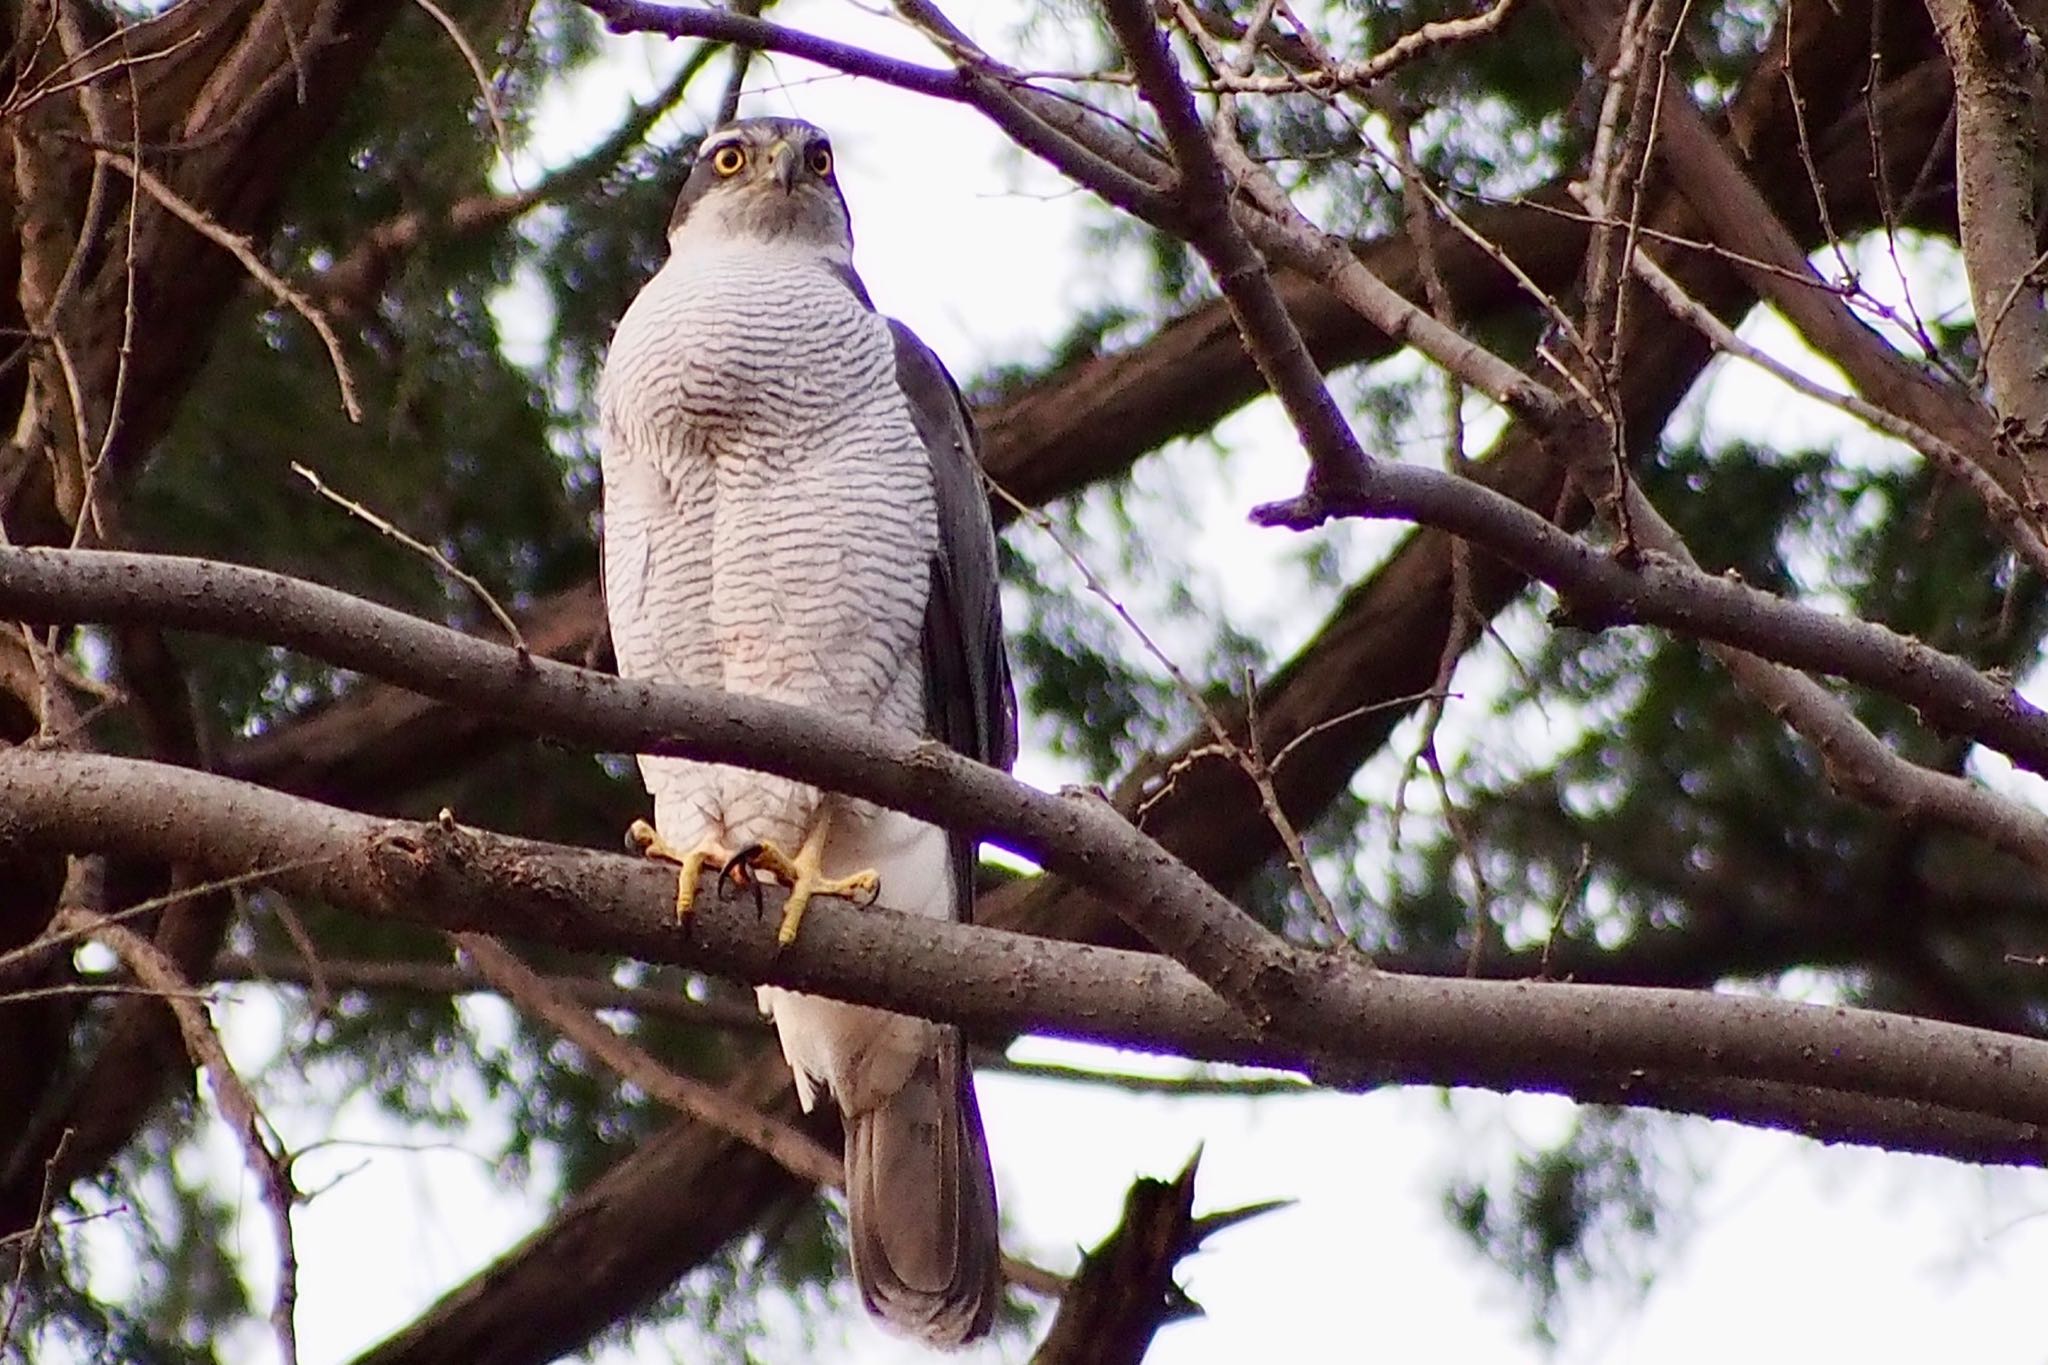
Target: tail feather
(922, 1203)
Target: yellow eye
(728, 159)
(820, 159)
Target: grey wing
(970, 705)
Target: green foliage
(183, 1282)
(1585, 1210)
(1695, 809)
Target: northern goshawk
(793, 510)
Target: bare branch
(1771, 260)
(29, 1241)
(241, 250)
(2000, 96)
(272, 1169)
(445, 978)
(1076, 835)
(1416, 43)
(422, 549)
(1239, 1087)
(1204, 196)
(2022, 533)
(798, 1152)
(1899, 1081)
(485, 91)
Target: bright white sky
(1800, 1254)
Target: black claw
(738, 875)
(874, 895)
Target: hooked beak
(783, 165)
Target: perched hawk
(792, 510)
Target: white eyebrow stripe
(710, 146)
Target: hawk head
(767, 180)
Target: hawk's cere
(793, 511)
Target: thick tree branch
(1178, 912)
(1275, 344)
(1604, 591)
(1075, 835)
(2000, 97)
(1124, 1291)
(1871, 1076)
(1774, 263)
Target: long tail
(922, 1202)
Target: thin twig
(93, 989)
(238, 247)
(419, 547)
(447, 978)
(1225, 743)
(796, 1151)
(1401, 703)
(317, 984)
(1253, 761)
(272, 1168)
(52, 85)
(2004, 509)
(1573, 890)
(123, 360)
(52, 937)
(1403, 50)
(1417, 197)
(1183, 1087)
(499, 135)
(1805, 278)
(32, 1237)
(1814, 180)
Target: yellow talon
(804, 875)
(648, 840)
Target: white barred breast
(769, 518)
